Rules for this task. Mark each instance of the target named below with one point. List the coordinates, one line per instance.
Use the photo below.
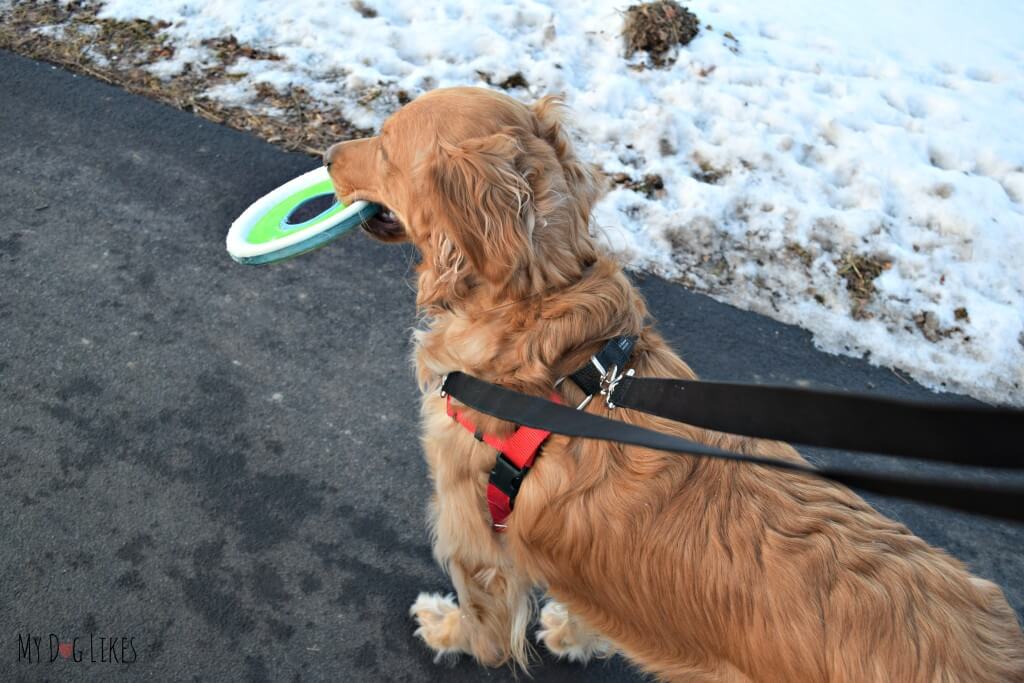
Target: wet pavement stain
(134, 550)
(361, 582)
(256, 670)
(267, 585)
(265, 509)
(10, 246)
(82, 385)
(80, 560)
(212, 592)
(279, 630)
(90, 625)
(131, 581)
(310, 583)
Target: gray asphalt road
(216, 466)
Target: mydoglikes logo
(95, 649)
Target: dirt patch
(706, 171)
(799, 252)
(228, 50)
(860, 272)
(731, 42)
(516, 80)
(364, 9)
(657, 28)
(928, 323)
(117, 52)
(651, 185)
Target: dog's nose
(329, 155)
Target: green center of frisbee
(274, 224)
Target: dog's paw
(566, 637)
(440, 624)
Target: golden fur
(694, 569)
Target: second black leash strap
(1002, 501)
(953, 433)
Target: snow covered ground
(802, 146)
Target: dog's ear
(586, 181)
(485, 202)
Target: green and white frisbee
(297, 217)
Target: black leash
(953, 433)
(1002, 501)
(946, 432)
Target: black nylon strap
(1002, 501)
(616, 352)
(953, 433)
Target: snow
(826, 131)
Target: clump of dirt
(365, 10)
(928, 323)
(658, 27)
(860, 272)
(651, 185)
(707, 172)
(228, 50)
(731, 42)
(516, 80)
(798, 251)
(116, 52)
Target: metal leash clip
(610, 380)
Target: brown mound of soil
(657, 27)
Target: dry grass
(796, 250)
(117, 52)
(860, 272)
(658, 27)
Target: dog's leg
(566, 636)
(489, 621)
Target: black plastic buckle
(507, 478)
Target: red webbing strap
(492, 441)
(500, 506)
(520, 449)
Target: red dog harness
(515, 457)
(517, 453)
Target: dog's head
(488, 189)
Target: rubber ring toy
(299, 216)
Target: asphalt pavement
(215, 468)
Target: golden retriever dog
(694, 569)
